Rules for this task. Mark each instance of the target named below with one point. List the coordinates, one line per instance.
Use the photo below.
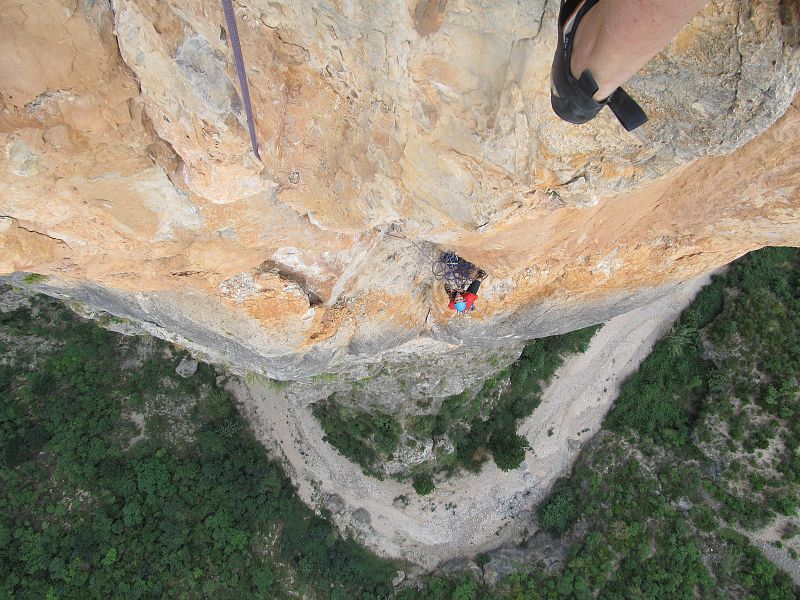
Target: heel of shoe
(626, 109)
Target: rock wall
(126, 173)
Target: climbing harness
(238, 59)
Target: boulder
(187, 367)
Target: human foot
(610, 40)
(575, 99)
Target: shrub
(466, 590)
(707, 305)
(559, 511)
(6, 376)
(423, 484)
(34, 278)
(508, 450)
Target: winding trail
(474, 512)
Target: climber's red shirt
(469, 298)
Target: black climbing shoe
(571, 98)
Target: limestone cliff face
(126, 172)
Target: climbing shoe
(571, 98)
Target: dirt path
(470, 513)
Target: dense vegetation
(661, 399)
(738, 408)
(365, 438)
(751, 423)
(473, 426)
(190, 507)
(702, 438)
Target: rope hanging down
(233, 36)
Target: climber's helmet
(461, 306)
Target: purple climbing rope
(238, 59)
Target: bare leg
(616, 38)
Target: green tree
(508, 450)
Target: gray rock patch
(362, 516)
(11, 299)
(204, 68)
(186, 368)
(336, 504)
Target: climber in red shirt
(462, 301)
